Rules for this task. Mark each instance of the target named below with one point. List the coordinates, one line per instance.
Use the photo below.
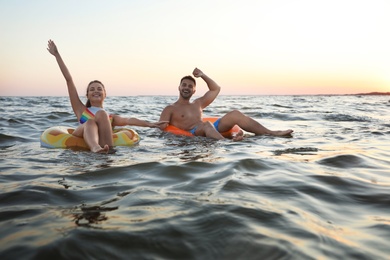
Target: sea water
(323, 193)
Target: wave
(346, 118)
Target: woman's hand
(52, 48)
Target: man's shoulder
(171, 107)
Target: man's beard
(185, 96)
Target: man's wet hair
(189, 78)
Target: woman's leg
(104, 128)
(89, 131)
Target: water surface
(322, 194)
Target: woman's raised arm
(77, 105)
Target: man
(187, 115)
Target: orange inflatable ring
(61, 137)
(177, 131)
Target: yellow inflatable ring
(61, 137)
(177, 131)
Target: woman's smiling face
(96, 92)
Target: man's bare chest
(187, 112)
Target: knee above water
(101, 114)
(235, 112)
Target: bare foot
(99, 149)
(282, 132)
(239, 136)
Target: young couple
(96, 124)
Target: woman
(95, 123)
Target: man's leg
(235, 117)
(207, 129)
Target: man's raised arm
(214, 88)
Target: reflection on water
(91, 217)
(192, 149)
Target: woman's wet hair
(88, 104)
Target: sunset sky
(257, 47)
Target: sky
(249, 47)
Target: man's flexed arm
(214, 88)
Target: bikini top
(89, 113)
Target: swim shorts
(192, 131)
(216, 124)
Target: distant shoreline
(374, 94)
